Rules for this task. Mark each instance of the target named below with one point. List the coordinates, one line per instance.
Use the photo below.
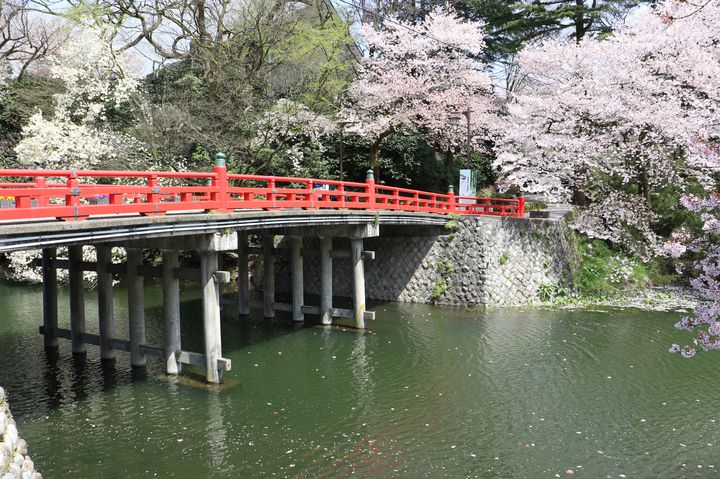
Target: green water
(431, 392)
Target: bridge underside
(209, 235)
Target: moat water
(429, 392)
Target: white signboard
(468, 185)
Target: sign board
(468, 185)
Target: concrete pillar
(105, 302)
(298, 293)
(268, 276)
(325, 280)
(171, 310)
(136, 307)
(50, 308)
(243, 281)
(77, 299)
(211, 315)
(356, 247)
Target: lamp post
(455, 121)
(341, 128)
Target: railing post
(270, 196)
(311, 194)
(521, 207)
(451, 199)
(220, 184)
(153, 197)
(40, 183)
(72, 198)
(371, 193)
(341, 194)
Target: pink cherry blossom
(416, 75)
(636, 111)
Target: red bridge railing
(78, 194)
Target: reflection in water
(216, 433)
(362, 370)
(51, 380)
(432, 392)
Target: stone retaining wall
(482, 261)
(14, 461)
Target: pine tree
(511, 25)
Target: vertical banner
(468, 185)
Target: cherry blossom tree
(416, 75)
(98, 85)
(618, 119)
(293, 139)
(703, 254)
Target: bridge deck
(16, 236)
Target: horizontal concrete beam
(306, 252)
(224, 240)
(366, 230)
(334, 312)
(147, 271)
(185, 357)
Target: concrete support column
(269, 276)
(243, 281)
(298, 293)
(77, 299)
(171, 310)
(50, 308)
(325, 280)
(105, 302)
(136, 307)
(356, 247)
(211, 315)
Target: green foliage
(511, 25)
(671, 214)
(504, 258)
(220, 100)
(453, 225)
(317, 56)
(19, 100)
(535, 206)
(407, 160)
(552, 292)
(444, 269)
(439, 288)
(201, 156)
(604, 270)
(497, 194)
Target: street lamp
(341, 127)
(454, 120)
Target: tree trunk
(449, 158)
(374, 149)
(374, 152)
(581, 28)
(644, 185)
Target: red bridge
(77, 194)
(130, 211)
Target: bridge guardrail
(77, 194)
